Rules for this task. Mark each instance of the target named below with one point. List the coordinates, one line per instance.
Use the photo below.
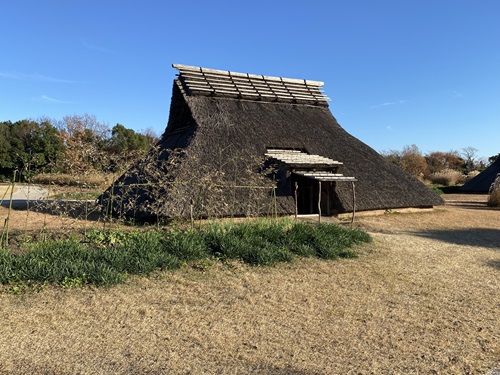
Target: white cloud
(88, 45)
(388, 104)
(48, 99)
(34, 77)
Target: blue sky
(399, 72)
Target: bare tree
(470, 155)
(410, 160)
(438, 161)
(84, 137)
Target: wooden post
(319, 201)
(191, 205)
(296, 202)
(275, 203)
(353, 202)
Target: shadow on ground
(494, 264)
(481, 237)
(83, 210)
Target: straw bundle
(494, 198)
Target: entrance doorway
(307, 195)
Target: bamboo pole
(7, 220)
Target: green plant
(436, 189)
(72, 282)
(142, 253)
(107, 257)
(186, 245)
(106, 238)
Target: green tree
(33, 147)
(6, 162)
(126, 140)
(125, 146)
(46, 147)
(5, 155)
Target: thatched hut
(483, 181)
(243, 144)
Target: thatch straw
(223, 143)
(494, 198)
(482, 182)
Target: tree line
(80, 144)
(75, 144)
(411, 160)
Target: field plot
(422, 298)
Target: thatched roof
(482, 182)
(224, 138)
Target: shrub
(447, 177)
(410, 159)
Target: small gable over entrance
(312, 178)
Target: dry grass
(84, 180)
(422, 299)
(446, 177)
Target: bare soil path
(423, 298)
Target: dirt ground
(423, 298)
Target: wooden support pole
(296, 201)
(319, 201)
(353, 202)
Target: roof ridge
(225, 83)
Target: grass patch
(108, 257)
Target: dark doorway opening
(307, 195)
